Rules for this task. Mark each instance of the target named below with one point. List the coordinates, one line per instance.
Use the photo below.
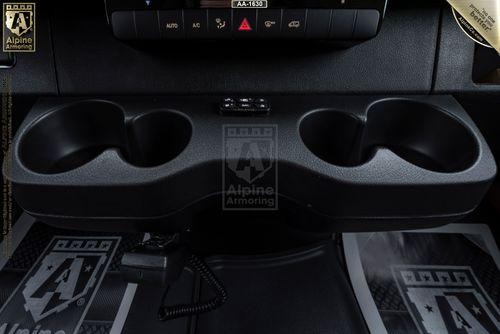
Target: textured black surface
(382, 252)
(91, 327)
(101, 313)
(39, 236)
(456, 61)
(82, 57)
(386, 296)
(387, 184)
(400, 59)
(143, 313)
(305, 291)
(107, 299)
(9, 280)
(443, 249)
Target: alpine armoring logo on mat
(446, 299)
(56, 293)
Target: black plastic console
(353, 163)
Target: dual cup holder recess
(420, 134)
(74, 135)
(353, 163)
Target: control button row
(337, 24)
(244, 106)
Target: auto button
(171, 24)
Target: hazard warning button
(245, 25)
(245, 22)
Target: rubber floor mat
(436, 281)
(61, 281)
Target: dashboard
(234, 19)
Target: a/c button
(196, 22)
(171, 24)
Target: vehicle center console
(343, 162)
(335, 20)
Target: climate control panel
(339, 20)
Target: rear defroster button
(294, 23)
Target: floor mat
(443, 280)
(61, 281)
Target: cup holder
(71, 136)
(422, 134)
(332, 136)
(364, 163)
(157, 137)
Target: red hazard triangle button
(245, 25)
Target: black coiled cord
(183, 310)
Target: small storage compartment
(72, 135)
